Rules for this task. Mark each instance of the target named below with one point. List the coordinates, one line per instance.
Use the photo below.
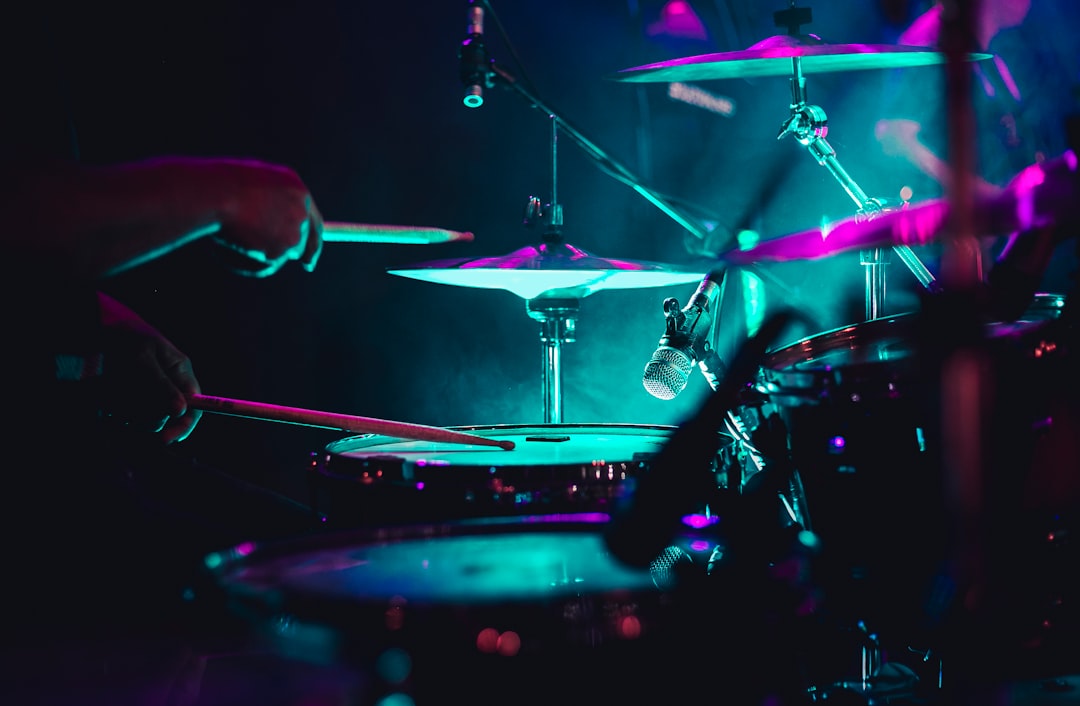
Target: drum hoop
(801, 355)
(366, 441)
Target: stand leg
(558, 323)
(552, 378)
(875, 261)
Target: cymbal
(549, 270)
(772, 57)
(1043, 193)
(339, 232)
(913, 225)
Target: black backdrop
(363, 100)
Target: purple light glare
(589, 517)
(698, 521)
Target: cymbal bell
(1043, 193)
(549, 270)
(772, 57)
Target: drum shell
(863, 408)
(863, 401)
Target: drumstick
(344, 422)
(338, 232)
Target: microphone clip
(676, 331)
(476, 69)
(674, 317)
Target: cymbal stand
(809, 125)
(556, 312)
(557, 315)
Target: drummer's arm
(92, 221)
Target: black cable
(505, 37)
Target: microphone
(670, 569)
(646, 522)
(474, 64)
(687, 340)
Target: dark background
(364, 101)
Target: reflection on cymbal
(549, 270)
(772, 57)
(1043, 193)
(338, 232)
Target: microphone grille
(667, 372)
(666, 568)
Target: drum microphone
(646, 522)
(687, 340)
(475, 66)
(670, 569)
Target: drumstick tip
(506, 445)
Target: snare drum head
(542, 445)
(554, 468)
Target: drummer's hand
(267, 217)
(146, 379)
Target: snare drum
(553, 469)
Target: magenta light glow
(699, 521)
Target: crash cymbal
(913, 225)
(549, 270)
(772, 57)
(340, 232)
(1041, 194)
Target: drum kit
(475, 564)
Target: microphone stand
(500, 76)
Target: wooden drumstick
(343, 422)
(338, 232)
